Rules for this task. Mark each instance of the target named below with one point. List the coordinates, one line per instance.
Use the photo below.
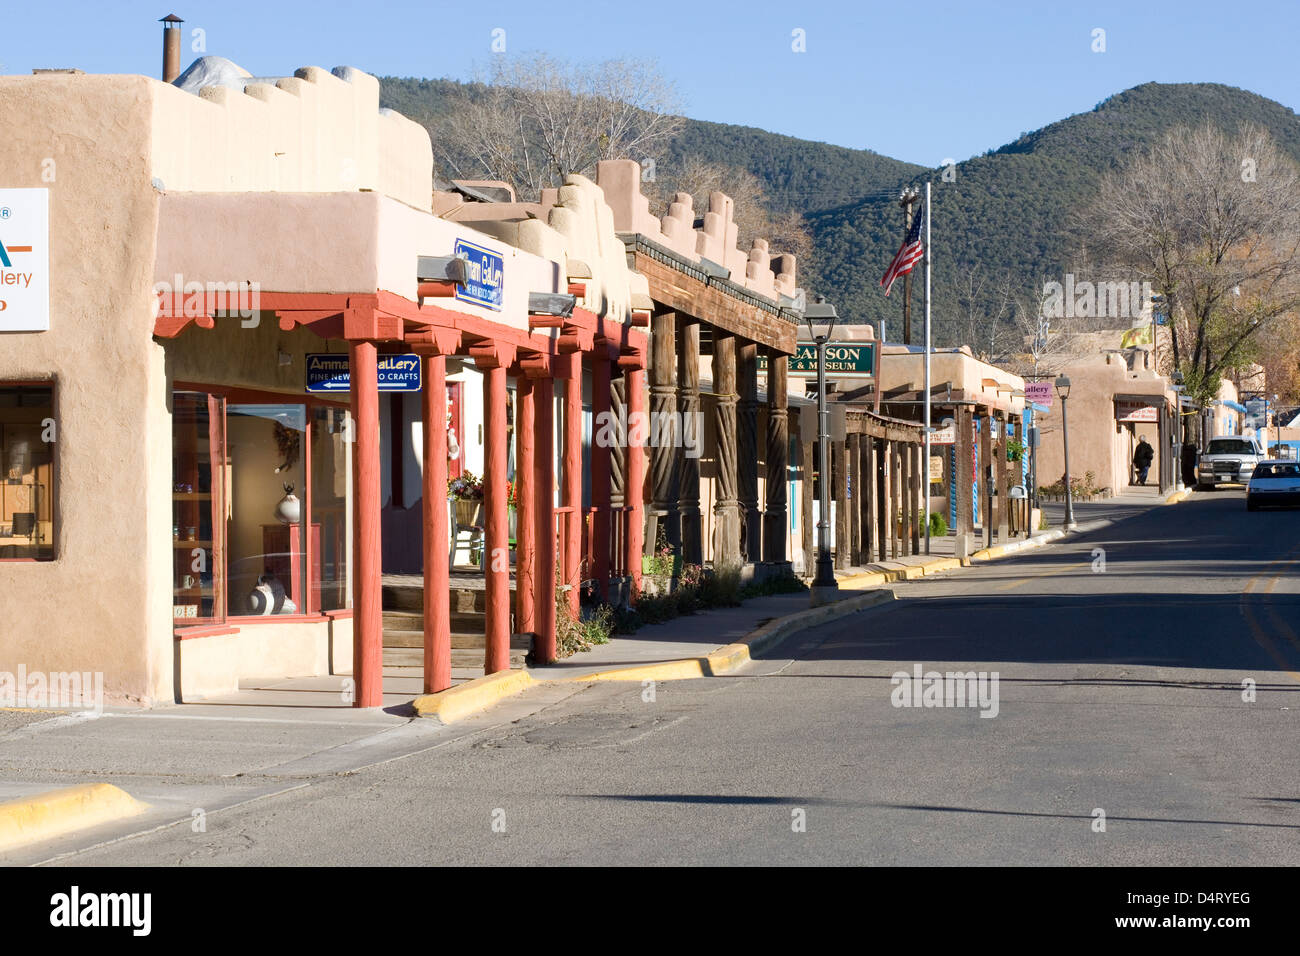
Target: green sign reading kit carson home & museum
(842, 361)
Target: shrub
(783, 584)
(583, 632)
(938, 524)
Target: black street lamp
(1178, 389)
(1063, 391)
(823, 586)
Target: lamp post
(1277, 424)
(1063, 392)
(823, 586)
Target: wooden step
(416, 639)
(411, 598)
(467, 657)
(464, 621)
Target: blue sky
(963, 78)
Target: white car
(1273, 483)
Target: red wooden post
(367, 622)
(496, 550)
(600, 465)
(634, 490)
(437, 582)
(544, 496)
(573, 476)
(525, 507)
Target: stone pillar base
(820, 595)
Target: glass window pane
(331, 508)
(196, 499)
(27, 472)
(266, 556)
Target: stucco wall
(105, 603)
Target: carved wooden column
(571, 489)
(747, 452)
(880, 454)
(437, 584)
(854, 470)
(776, 516)
(634, 490)
(806, 471)
(1004, 517)
(618, 471)
(688, 401)
(602, 449)
(1018, 477)
(962, 481)
(895, 497)
(986, 519)
(919, 511)
(839, 498)
(665, 441)
(907, 496)
(726, 507)
(525, 506)
(866, 500)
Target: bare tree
(537, 119)
(986, 303)
(1212, 220)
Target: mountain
(1010, 211)
(1004, 219)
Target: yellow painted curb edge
(463, 700)
(57, 812)
(1178, 496)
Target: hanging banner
(24, 260)
(1040, 393)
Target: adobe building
(1113, 402)
(184, 512)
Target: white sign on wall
(24, 260)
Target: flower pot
(289, 509)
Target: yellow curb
(729, 657)
(943, 564)
(686, 669)
(463, 700)
(868, 579)
(56, 812)
(1178, 496)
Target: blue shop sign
(330, 373)
(484, 276)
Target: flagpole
(925, 476)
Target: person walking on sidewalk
(1142, 459)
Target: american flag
(908, 255)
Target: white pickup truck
(1228, 460)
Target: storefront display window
(266, 546)
(331, 507)
(27, 441)
(262, 507)
(197, 507)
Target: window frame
(52, 384)
(238, 395)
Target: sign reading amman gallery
(332, 372)
(24, 260)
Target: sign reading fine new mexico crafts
(1040, 393)
(484, 275)
(842, 361)
(24, 260)
(331, 372)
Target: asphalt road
(1119, 692)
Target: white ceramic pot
(289, 510)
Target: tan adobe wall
(314, 131)
(757, 268)
(105, 603)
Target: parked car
(1273, 483)
(1229, 460)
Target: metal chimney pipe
(171, 47)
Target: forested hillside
(1004, 222)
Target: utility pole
(906, 199)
